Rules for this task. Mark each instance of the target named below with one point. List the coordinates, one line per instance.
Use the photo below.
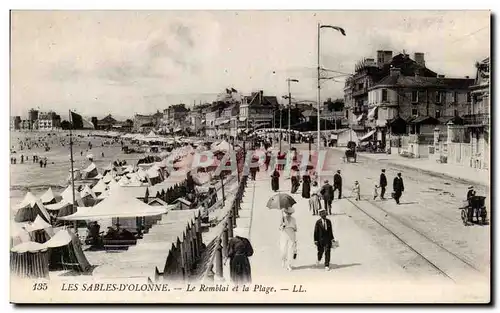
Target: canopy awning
(118, 204)
(368, 135)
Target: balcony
(360, 92)
(477, 119)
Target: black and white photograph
(225, 156)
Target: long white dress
(288, 241)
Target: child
(356, 191)
(375, 192)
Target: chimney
(395, 71)
(261, 96)
(419, 58)
(380, 58)
(440, 76)
(387, 57)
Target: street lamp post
(289, 106)
(341, 30)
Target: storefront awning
(370, 133)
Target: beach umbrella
(280, 201)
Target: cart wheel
(463, 214)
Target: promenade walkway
(360, 270)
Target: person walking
(382, 184)
(315, 200)
(398, 187)
(323, 237)
(295, 179)
(337, 184)
(356, 191)
(327, 194)
(288, 238)
(275, 180)
(239, 250)
(375, 192)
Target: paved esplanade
(369, 254)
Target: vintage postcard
(250, 157)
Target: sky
(128, 62)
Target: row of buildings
(36, 120)
(397, 97)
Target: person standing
(314, 201)
(239, 249)
(294, 178)
(275, 180)
(323, 237)
(288, 238)
(306, 186)
(398, 187)
(337, 184)
(327, 194)
(382, 184)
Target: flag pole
(71, 162)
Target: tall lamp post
(289, 106)
(341, 30)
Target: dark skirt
(306, 189)
(241, 272)
(275, 183)
(295, 184)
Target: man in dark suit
(323, 237)
(382, 184)
(327, 194)
(398, 187)
(337, 184)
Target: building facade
(402, 104)
(368, 72)
(257, 110)
(15, 123)
(48, 121)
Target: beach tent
(99, 187)
(118, 204)
(29, 212)
(90, 171)
(40, 229)
(49, 197)
(107, 178)
(61, 208)
(87, 192)
(123, 181)
(29, 260)
(18, 233)
(67, 195)
(151, 135)
(28, 200)
(66, 252)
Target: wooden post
(230, 225)
(225, 239)
(232, 216)
(218, 260)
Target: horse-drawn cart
(350, 153)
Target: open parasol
(280, 201)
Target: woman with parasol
(288, 238)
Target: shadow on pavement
(321, 266)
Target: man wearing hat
(327, 194)
(398, 187)
(337, 184)
(382, 184)
(471, 192)
(323, 237)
